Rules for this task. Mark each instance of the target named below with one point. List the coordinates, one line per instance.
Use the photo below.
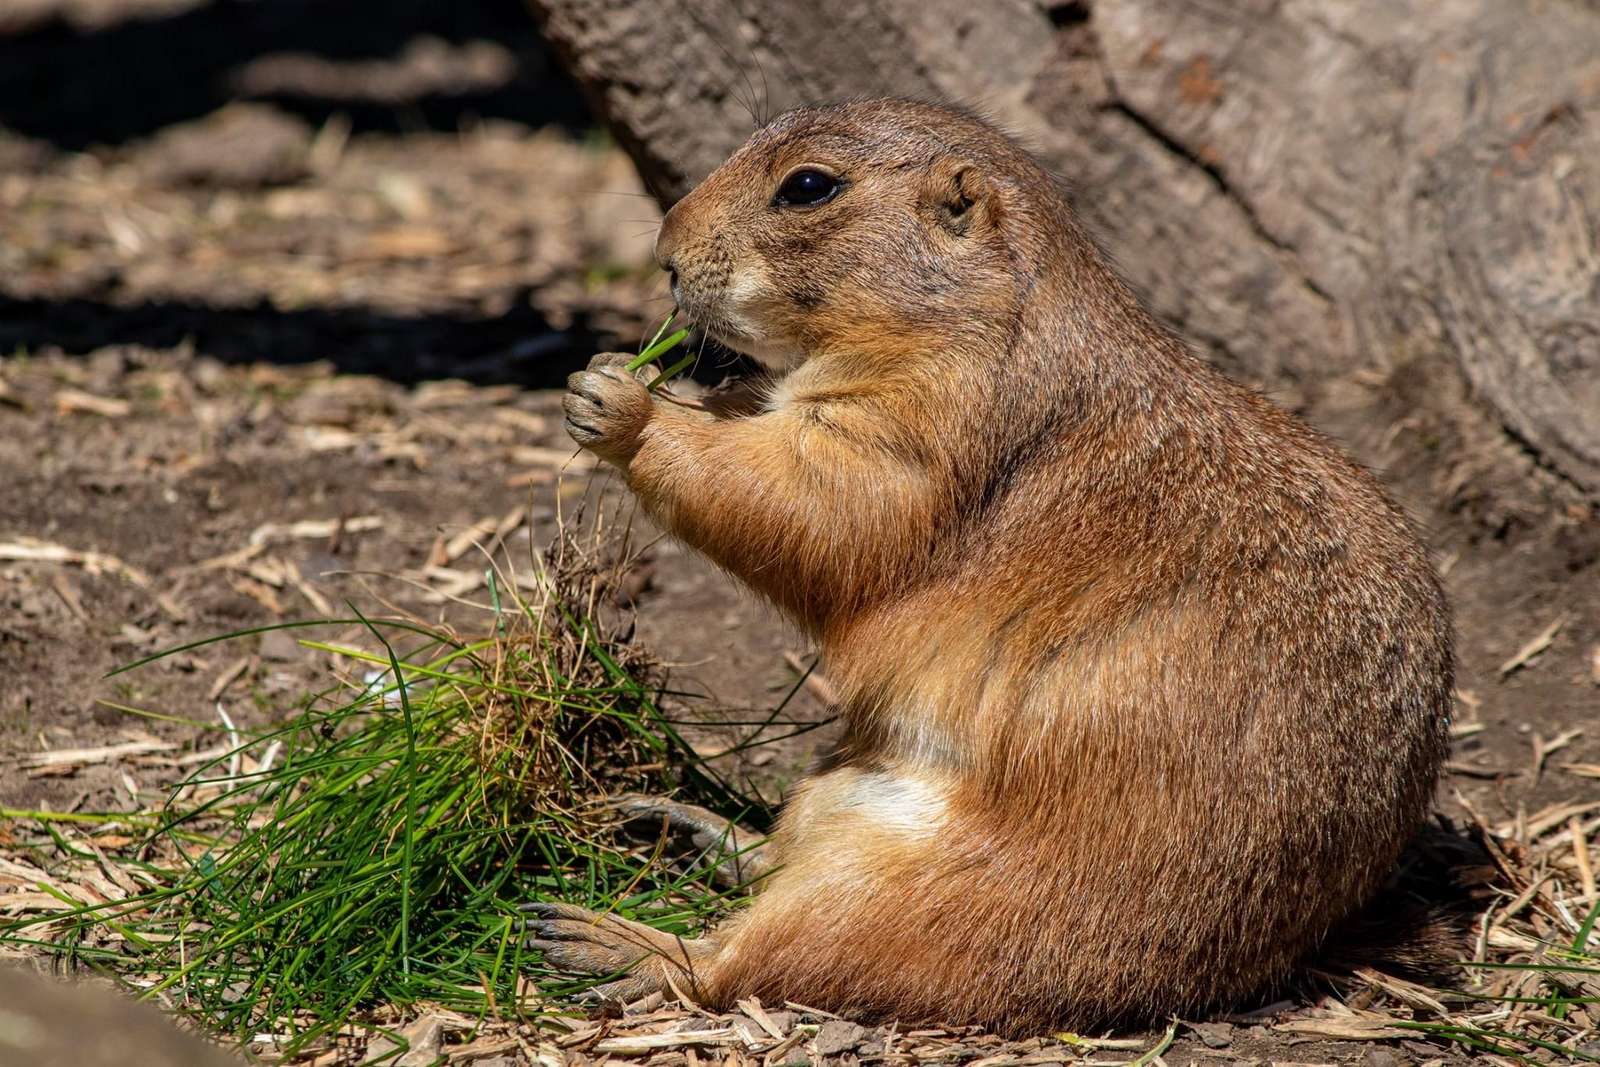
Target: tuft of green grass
(371, 850)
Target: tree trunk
(1318, 193)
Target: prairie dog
(1145, 683)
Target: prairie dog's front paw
(607, 407)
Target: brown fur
(1145, 682)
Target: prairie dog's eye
(807, 187)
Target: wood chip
(114, 840)
(420, 1038)
(408, 242)
(327, 438)
(69, 596)
(482, 1049)
(510, 521)
(455, 393)
(229, 675)
(17, 903)
(312, 528)
(232, 560)
(171, 608)
(28, 874)
(78, 757)
(32, 550)
(1500, 937)
(752, 1007)
(458, 545)
(259, 592)
(1352, 1028)
(76, 401)
(646, 1043)
(1542, 748)
(270, 571)
(1103, 1044)
(1536, 645)
(95, 884)
(454, 583)
(578, 1036)
(1545, 820)
(305, 589)
(329, 145)
(1408, 993)
(837, 1035)
(779, 1052)
(436, 553)
(1580, 854)
(526, 421)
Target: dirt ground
(284, 294)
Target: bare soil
(263, 266)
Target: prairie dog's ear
(959, 198)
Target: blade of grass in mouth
(666, 344)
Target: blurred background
(409, 189)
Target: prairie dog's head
(870, 225)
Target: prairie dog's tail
(1413, 939)
(1418, 925)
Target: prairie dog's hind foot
(575, 939)
(744, 855)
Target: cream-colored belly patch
(895, 801)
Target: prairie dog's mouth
(723, 310)
(772, 356)
(731, 316)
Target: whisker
(749, 104)
(766, 90)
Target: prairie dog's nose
(667, 241)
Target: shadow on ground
(389, 65)
(519, 347)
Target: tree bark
(1323, 195)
